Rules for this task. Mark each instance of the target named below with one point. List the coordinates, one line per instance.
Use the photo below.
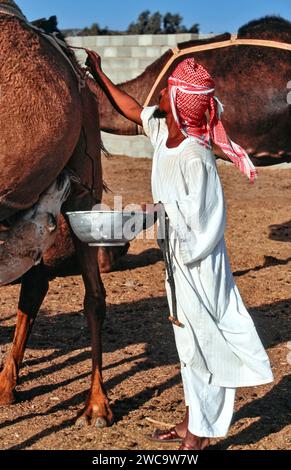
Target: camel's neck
(139, 87)
(110, 120)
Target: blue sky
(213, 15)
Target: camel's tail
(104, 150)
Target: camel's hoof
(101, 423)
(97, 413)
(81, 422)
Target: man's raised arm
(122, 102)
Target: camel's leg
(34, 287)
(97, 410)
(108, 257)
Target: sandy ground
(141, 365)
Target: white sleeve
(199, 219)
(151, 125)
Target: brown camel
(251, 81)
(48, 123)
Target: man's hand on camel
(93, 62)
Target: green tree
(141, 23)
(154, 24)
(94, 30)
(195, 28)
(172, 24)
(146, 23)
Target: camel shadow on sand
(142, 322)
(146, 258)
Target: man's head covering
(191, 92)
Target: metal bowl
(108, 228)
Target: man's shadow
(278, 232)
(273, 410)
(281, 232)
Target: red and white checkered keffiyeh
(191, 91)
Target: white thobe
(219, 346)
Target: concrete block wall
(124, 58)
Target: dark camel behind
(251, 81)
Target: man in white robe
(218, 345)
